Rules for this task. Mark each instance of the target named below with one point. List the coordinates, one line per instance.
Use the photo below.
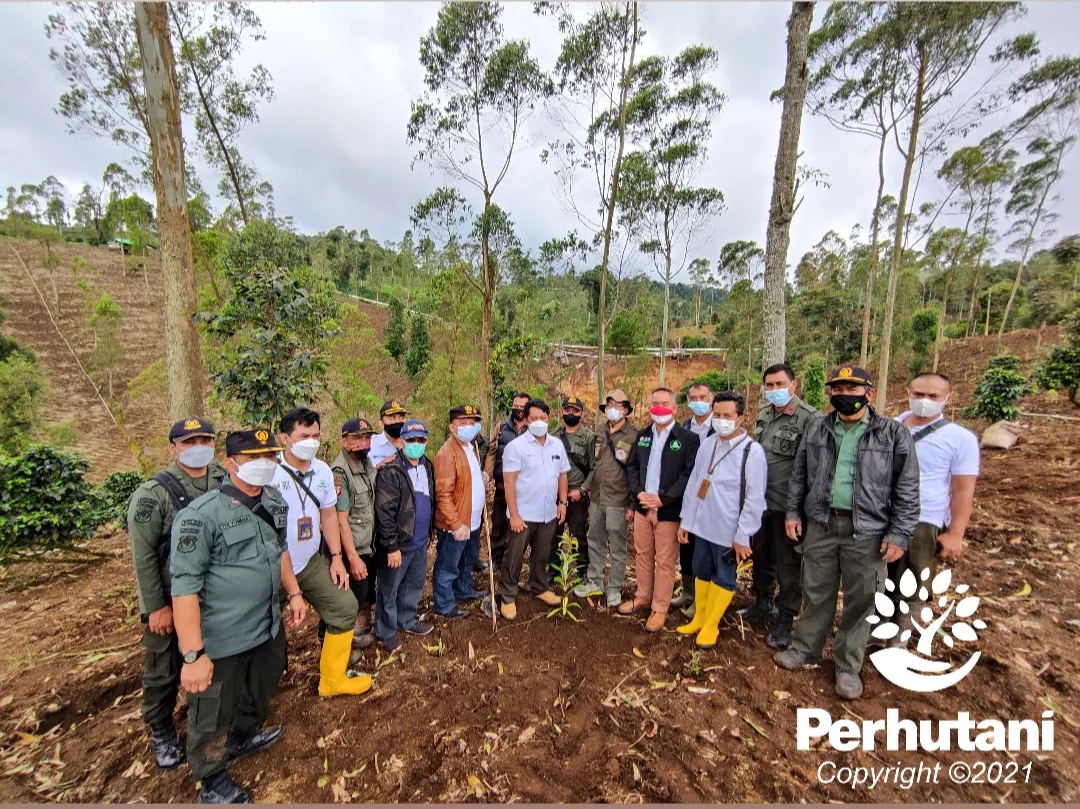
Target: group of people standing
(227, 555)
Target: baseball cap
(413, 428)
(392, 407)
(186, 428)
(251, 442)
(850, 373)
(573, 401)
(357, 426)
(464, 412)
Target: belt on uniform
(840, 512)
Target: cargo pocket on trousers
(204, 709)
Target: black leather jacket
(395, 504)
(886, 492)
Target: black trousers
(500, 528)
(238, 699)
(161, 677)
(686, 558)
(776, 563)
(577, 525)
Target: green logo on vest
(675, 445)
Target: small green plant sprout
(566, 577)
(436, 649)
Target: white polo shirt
(949, 450)
(538, 469)
(479, 493)
(320, 480)
(381, 449)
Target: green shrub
(813, 382)
(716, 379)
(22, 390)
(693, 341)
(998, 391)
(1061, 369)
(116, 491)
(45, 502)
(957, 331)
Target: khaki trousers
(657, 549)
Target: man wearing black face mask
(580, 443)
(388, 443)
(856, 478)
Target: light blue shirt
(656, 455)
(719, 517)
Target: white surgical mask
(307, 449)
(660, 421)
(196, 457)
(259, 472)
(468, 432)
(724, 427)
(538, 428)
(926, 408)
(614, 414)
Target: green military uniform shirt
(581, 447)
(149, 520)
(779, 432)
(608, 484)
(354, 482)
(230, 557)
(842, 493)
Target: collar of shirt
(660, 435)
(310, 470)
(902, 418)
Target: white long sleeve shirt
(717, 517)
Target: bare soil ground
(548, 709)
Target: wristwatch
(562, 502)
(191, 657)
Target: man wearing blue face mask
(699, 398)
(781, 424)
(151, 510)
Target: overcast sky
(333, 140)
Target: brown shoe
(508, 611)
(631, 606)
(550, 598)
(655, 622)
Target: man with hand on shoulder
(231, 574)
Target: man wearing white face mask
(150, 519)
(699, 398)
(948, 458)
(314, 536)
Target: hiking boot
(363, 641)
(550, 598)
(613, 599)
(508, 611)
(848, 686)
(456, 612)
(760, 611)
(780, 637)
(221, 788)
(588, 590)
(392, 643)
(630, 606)
(655, 622)
(419, 628)
(166, 747)
(793, 659)
(240, 746)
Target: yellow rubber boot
(333, 664)
(718, 604)
(703, 596)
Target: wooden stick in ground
(491, 564)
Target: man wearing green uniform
(580, 444)
(781, 424)
(150, 518)
(856, 479)
(354, 483)
(230, 565)
(609, 492)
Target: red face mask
(660, 411)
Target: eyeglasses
(415, 440)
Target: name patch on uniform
(233, 523)
(191, 522)
(644, 441)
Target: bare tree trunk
(871, 272)
(485, 332)
(667, 307)
(182, 361)
(986, 328)
(234, 176)
(971, 328)
(782, 207)
(898, 238)
(953, 261)
(609, 222)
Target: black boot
(242, 745)
(166, 746)
(780, 637)
(760, 611)
(221, 788)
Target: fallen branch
(1048, 416)
(615, 690)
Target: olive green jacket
(780, 432)
(608, 484)
(581, 447)
(150, 519)
(354, 482)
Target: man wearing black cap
(493, 465)
(580, 443)
(230, 565)
(150, 518)
(387, 443)
(354, 483)
(856, 480)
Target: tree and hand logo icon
(918, 670)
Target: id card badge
(703, 489)
(305, 529)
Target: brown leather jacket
(453, 486)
